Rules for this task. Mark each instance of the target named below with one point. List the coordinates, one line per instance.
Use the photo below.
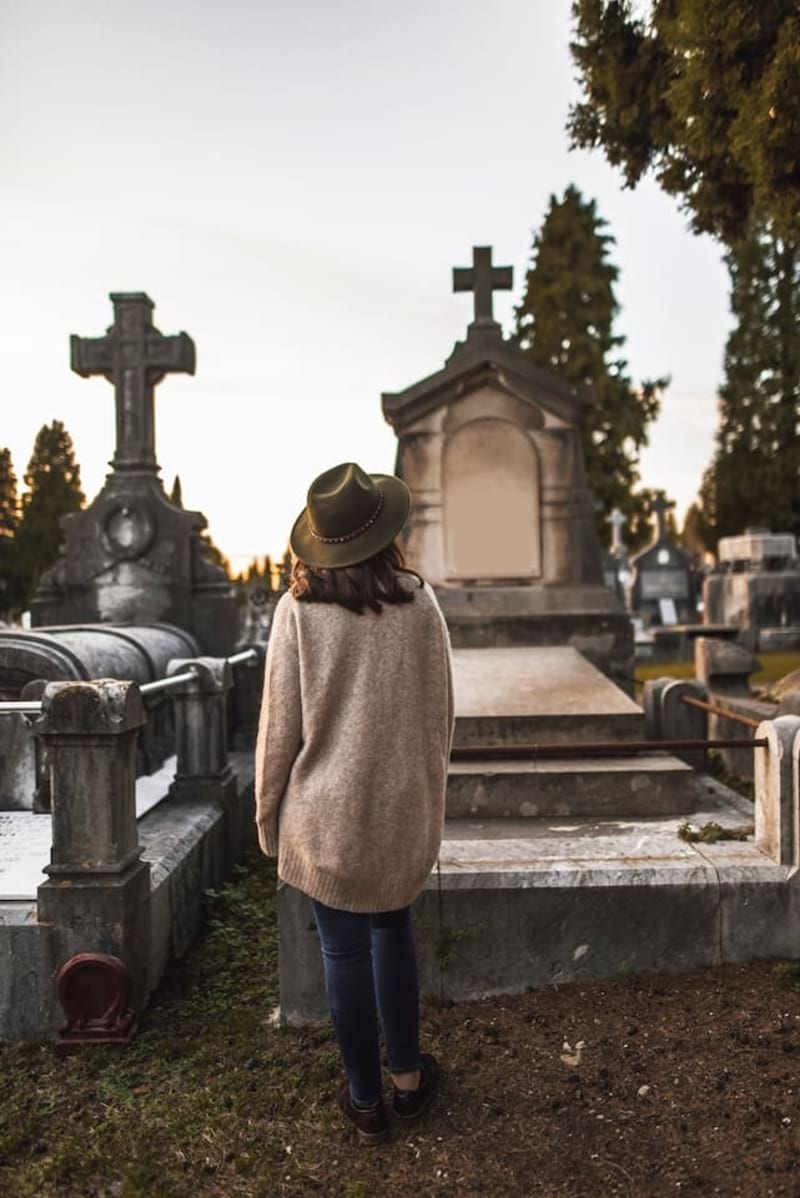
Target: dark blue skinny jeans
(370, 970)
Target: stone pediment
(486, 359)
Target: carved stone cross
(482, 278)
(133, 356)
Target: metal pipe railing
(239, 659)
(34, 707)
(733, 716)
(165, 684)
(20, 706)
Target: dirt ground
(644, 1087)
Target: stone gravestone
(616, 564)
(133, 556)
(662, 591)
(502, 520)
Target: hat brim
(394, 513)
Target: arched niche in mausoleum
(491, 501)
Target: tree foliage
(706, 93)
(565, 324)
(754, 477)
(53, 482)
(9, 500)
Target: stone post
(681, 721)
(667, 717)
(98, 890)
(777, 790)
(201, 735)
(652, 703)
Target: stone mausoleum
(503, 522)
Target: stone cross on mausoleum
(134, 356)
(482, 278)
(661, 506)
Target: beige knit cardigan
(354, 737)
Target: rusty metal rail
(600, 748)
(734, 716)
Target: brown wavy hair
(368, 584)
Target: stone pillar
(667, 717)
(777, 790)
(201, 735)
(98, 890)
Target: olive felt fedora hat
(349, 516)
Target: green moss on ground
(773, 667)
(711, 832)
(204, 1088)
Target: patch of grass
(773, 667)
(202, 1090)
(711, 832)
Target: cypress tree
(565, 324)
(9, 518)
(53, 482)
(176, 494)
(9, 501)
(754, 476)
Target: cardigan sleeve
(450, 689)
(451, 706)
(279, 725)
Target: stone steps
(537, 696)
(545, 728)
(643, 785)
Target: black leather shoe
(409, 1104)
(372, 1125)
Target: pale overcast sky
(291, 181)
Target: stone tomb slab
(25, 840)
(26, 837)
(541, 694)
(641, 785)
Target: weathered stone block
(724, 665)
(777, 790)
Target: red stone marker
(95, 991)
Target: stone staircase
(552, 696)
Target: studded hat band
(348, 536)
